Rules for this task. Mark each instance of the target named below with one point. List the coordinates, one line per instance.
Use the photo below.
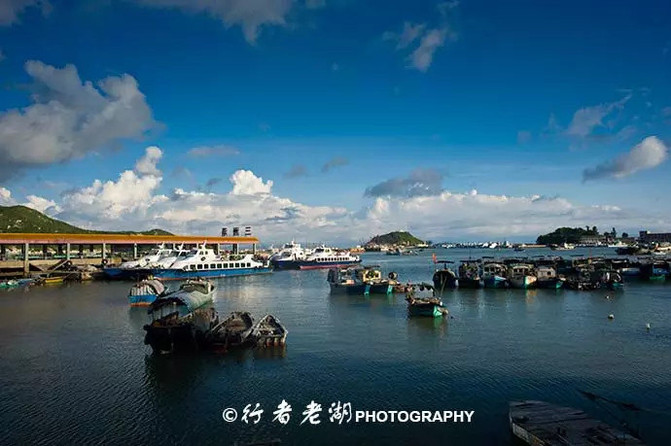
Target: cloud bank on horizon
(134, 201)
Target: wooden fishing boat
(424, 306)
(173, 333)
(179, 323)
(269, 332)
(444, 278)
(543, 424)
(234, 331)
(494, 275)
(53, 280)
(654, 271)
(469, 274)
(360, 281)
(547, 278)
(520, 275)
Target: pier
(17, 251)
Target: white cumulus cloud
(250, 15)
(246, 183)
(649, 153)
(147, 164)
(42, 204)
(70, 118)
(10, 10)
(5, 197)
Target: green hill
(24, 219)
(396, 238)
(566, 235)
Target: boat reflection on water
(436, 325)
(171, 374)
(275, 352)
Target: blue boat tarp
(189, 297)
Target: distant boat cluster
(549, 272)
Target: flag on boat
(433, 256)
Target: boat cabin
(520, 270)
(546, 272)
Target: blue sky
(569, 102)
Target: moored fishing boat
(444, 278)
(269, 332)
(430, 306)
(654, 271)
(11, 283)
(50, 280)
(609, 279)
(179, 321)
(143, 293)
(469, 274)
(494, 275)
(233, 331)
(520, 275)
(547, 278)
(360, 281)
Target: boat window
(213, 266)
(200, 266)
(206, 266)
(249, 265)
(193, 266)
(219, 266)
(237, 265)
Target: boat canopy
(149, 286)
(190, 296)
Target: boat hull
(285, 264)
(425, 310)
(114, 273)
(445, 279)
(523, 282)
(550, 284)
(362, 289)
(495, 282)
(466, 282)
(178, 274)
(185, 334)
(324, 265)
(142, 300)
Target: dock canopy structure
(102, 246)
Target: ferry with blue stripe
(203, 262)
(323, 258)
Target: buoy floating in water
(647, 326)
(608, 297)
(611, 317)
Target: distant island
(396, 238)
(22, 219)
(577, 235)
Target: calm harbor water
(74, 368)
